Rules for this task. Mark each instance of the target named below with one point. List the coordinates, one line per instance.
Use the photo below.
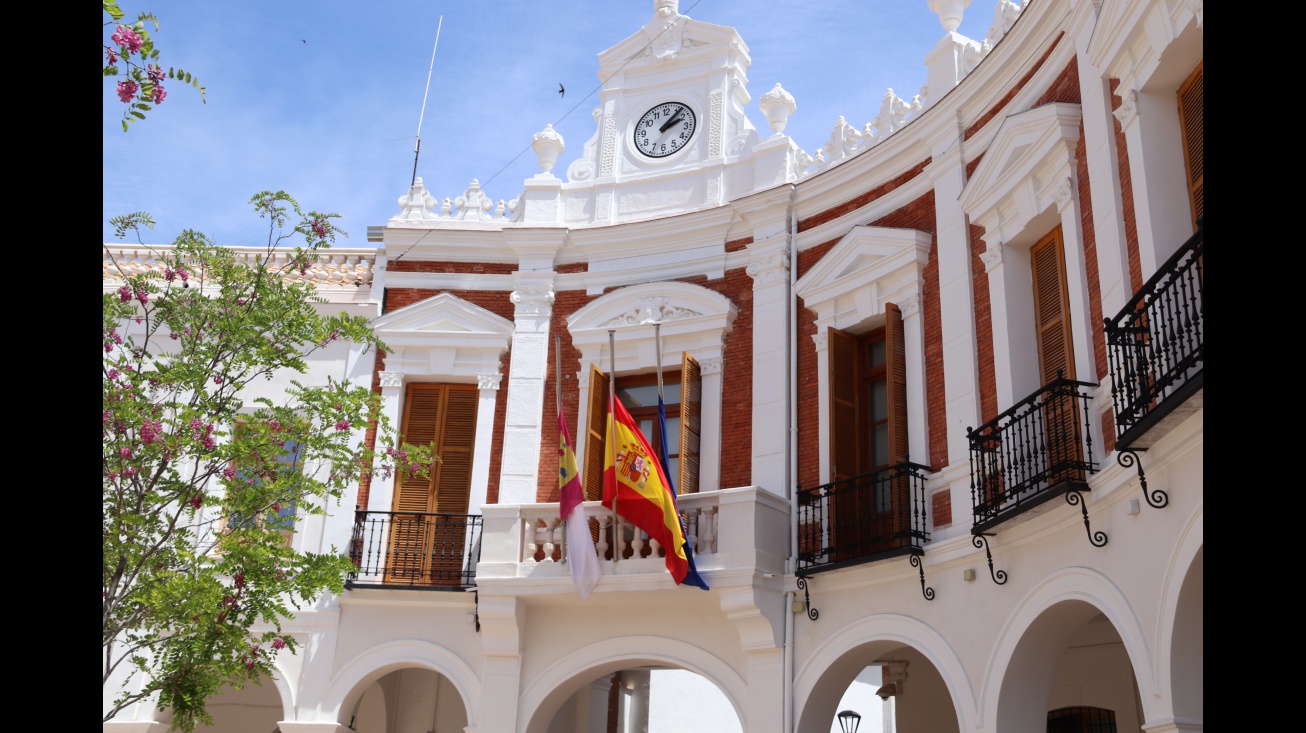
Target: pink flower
(278, 643)
(337, 406)
(113, 475)
(129, 471)
(124, 36)
(240, 301)
(142, 295)
(159, 94)
(125, 452)
(154, 72)
(239, 580)
(342, 425)
(124, 293)
(209, 442)
(169, 274)
(217, 380)
(196, 501)
(126, 90)
(113, 374)
(112, 56)
(276, 508)
(319, 229)
(108, 417)
(181, 271)
(229, 471)
(139, 319)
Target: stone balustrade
(333, 269)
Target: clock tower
(672, 133)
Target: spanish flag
(643, 493)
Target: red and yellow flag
(643, 493)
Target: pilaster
(533, 298)
(769, 268)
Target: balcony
(423, 551)
(744, 529)
(1154, 348)
(1038, 449)
(870, 517)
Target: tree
(143, 86)
(200, 484)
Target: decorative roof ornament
(777, 105)
(950, 12)
(414, 204)
(666, 29)
(548, 146)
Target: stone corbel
(533, 300)
(1128, 109)
(391, 379)
(488, 381)
(910, 306)
(992, 257)
(1065, 195)
(769, 269)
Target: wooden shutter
(1052, 308)
(1190, 127)
(596, 428)
(842, 378)
(1052, 315)
(691, 423)
(427, 548)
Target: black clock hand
(674, 119)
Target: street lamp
(848, 721)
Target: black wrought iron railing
(415, 550)
(863, 518)
(1154, 344)
(1035, 450)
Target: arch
(872, 635)
(542, 697)
(349, 684)
(1032, 641)
(1179, 626)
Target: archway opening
(646, 698)
(408, 699)
(892, 688)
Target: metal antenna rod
(418, 149)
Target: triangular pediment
(656, 42)
(865, 255)
(444, 313)
(651, 303)
(1025, 148)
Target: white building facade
(936, 403)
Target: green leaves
(201, 483)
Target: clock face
(664, 129)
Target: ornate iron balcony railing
(1154, 345)
(867, 517)
(1037, 449)
(414, 550)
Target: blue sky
(322, 99)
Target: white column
(764, 711)
(1102, 161)
(709, 441)
(913, 327)
(381, 496)
(769, 268)
(519, 476)
(1072, 244)
(956, 305)
(1156, 169)
(502, 621)
(486, 401)
(1011, 303)
(821, 343)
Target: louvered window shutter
(423, 413)
(844, 431)
(1190, 125)
(453, 480)
(1052, 308)
(691, 423)
(595, 431)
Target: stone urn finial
(548, 146)
(662, 8)
(777, 105)
(949, 12)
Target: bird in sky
(303, 40)
(562, 91)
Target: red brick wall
(565, 303)
(941, 508)
(1126, 197)
(863, 199)
(487, 268)
(1001, 103)
(1065, 88)
(988, 380)
(735, 245)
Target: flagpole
(617, 539)
(557, 384)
